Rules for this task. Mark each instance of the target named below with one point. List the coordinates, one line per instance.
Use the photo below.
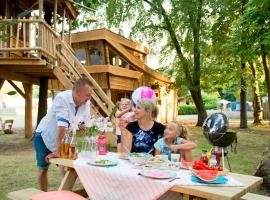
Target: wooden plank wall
(122, 83)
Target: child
(175, 141)
(123, 116)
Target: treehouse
(35, 51)
(119, 67)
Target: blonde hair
(118, 105)
(150, 107)
(182, 130)
(125, 100)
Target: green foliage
(187, 109)
(11, 93)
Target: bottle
(213, 161)
(101, 143)
(65, 146)
(204, 158)
(218, 155)
(73, 147)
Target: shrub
(184, 109)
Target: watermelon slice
(186, 163)
(206, 175)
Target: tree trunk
(192, 77)
(197, 98)
(266, 75)
(43, 96)
(257, 104)
(243, 99)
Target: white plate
(158, 174)
(110, 163)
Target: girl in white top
(123, 115)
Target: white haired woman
(142, 134)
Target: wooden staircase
(47, 45)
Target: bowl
(139, 158)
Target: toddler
(123, 116)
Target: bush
(186, 109)
(212, 105)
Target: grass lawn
(18, 169)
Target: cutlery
(174, 179)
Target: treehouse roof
(22, 5)
(122, 45)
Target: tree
(255, 22)
(180, 23)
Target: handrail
(50, 45)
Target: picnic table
(249, 183)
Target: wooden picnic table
(200, 192)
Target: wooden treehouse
(34, 50)
(119, 67)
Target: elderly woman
(142, 134)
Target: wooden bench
(24, 194)
(252, 196)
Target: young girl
(123, 116)
(175, 140)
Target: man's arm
(60, 135)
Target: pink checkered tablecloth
(118, 182)
(122, 182)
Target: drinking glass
(92, 153)
(85, 147)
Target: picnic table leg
(68, 180)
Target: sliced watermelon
(206, 175)
(186, 163)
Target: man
(68, 109)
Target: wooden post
(69, 30)
(28, 129)
(63, 24)
(40, 7)
(107, 61)
(42, 101)
(1, 83)
(117, 60)
(55, 16)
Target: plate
(103, 163)
(158, 174)
(123, 156)
(219, 180)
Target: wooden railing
(35, 38)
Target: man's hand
(52, 155)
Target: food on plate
(123, 156)
(139, 158)
(206, 175)
(157, 158)
(199, 165)
(104, 162)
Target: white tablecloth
(123, 182)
